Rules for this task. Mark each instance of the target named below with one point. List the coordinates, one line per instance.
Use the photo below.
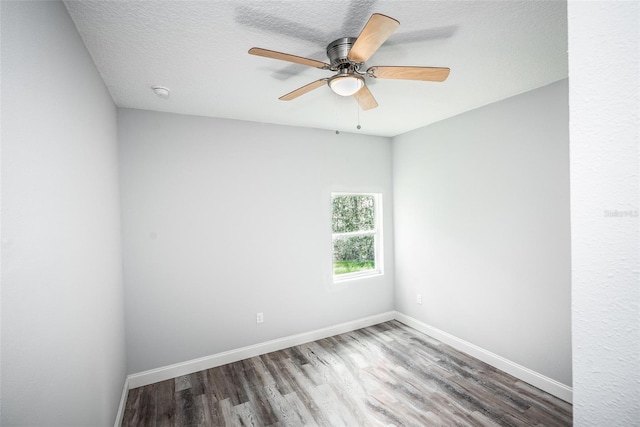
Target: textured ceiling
(198, 49)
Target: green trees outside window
(354, 226)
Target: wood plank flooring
(383, 375)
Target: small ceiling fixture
(161, 91)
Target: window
(357, 235)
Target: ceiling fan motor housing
(338, 50)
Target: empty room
(337, 213)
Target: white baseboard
(547, 384)
(123, 402)
(167, 372)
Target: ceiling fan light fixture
(346, 85)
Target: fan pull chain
(336, 106)
(358, 108)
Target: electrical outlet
(419, 299)
(259, 317)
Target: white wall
(604, 51)
(223, 219)
(63, 356)
(482, 228)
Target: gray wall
(63, 356)
(604, 36)
(223, 219)
(482, 228)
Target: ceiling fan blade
(365, 99)
(375, 32)
(302, 90)
(290, 58)
(429, 74)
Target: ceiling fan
(347, 55)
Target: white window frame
(378, 269)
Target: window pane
(353, 213)
(353, 254)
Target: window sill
(355, 276)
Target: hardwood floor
(383, 375)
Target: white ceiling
(198, 49)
